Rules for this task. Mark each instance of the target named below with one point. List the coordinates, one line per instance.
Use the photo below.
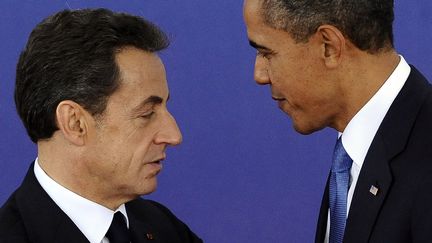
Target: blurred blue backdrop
(242, 174)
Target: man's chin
(149, 187)
(305, 130)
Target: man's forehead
(141, 67)
(258, 32)
(134, 58)
(252, 8)
(254, 19)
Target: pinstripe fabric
(338, 189)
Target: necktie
(118, 231)
(339, 181)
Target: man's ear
(333, 43)
(72, 121)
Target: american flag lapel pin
(150, 236)
(374, 190)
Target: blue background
(242, 174)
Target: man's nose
(261, 72)
(169, 133)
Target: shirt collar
(92, 219)
(360, 131)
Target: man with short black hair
(92, 94)
(333, 64)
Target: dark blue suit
(30, 215)
(399, 164)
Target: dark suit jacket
(399, 163)
(30, 215)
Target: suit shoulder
(145, 205)
(423, 121)
(161, 215)
(9, 215)
(12, 227)
(162, 208)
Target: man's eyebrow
(258, 46)
(151, 100)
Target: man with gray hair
(333, 64)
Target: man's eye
(148, 115)
(266, 55)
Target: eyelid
(264, 53)
(148, 114)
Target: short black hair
(368, 24)
(71, 56)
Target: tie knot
(341, 160)
(118, 231)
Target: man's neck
(68, 170)
(362, 77)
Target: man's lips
(156, 163)
(281, 102)
(276, 98)
(158, 159)
(155, 167)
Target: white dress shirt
(360, 131)
(92, 219)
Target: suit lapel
(140, 230)
(365, 205)
(67, 232)
(43, 219)
(389, 141)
